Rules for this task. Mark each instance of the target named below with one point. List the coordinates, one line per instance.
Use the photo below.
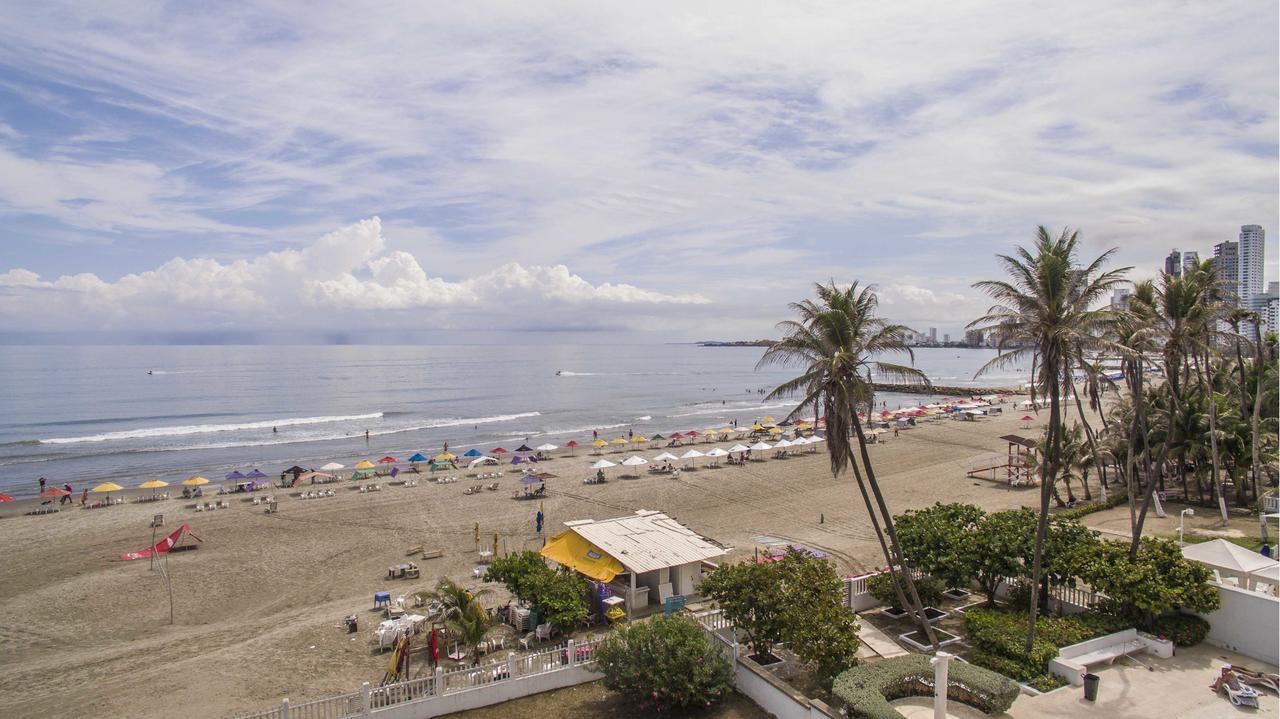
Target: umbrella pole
(153, 546)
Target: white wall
(489, 694)
(1247, 622)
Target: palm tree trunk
(1255, 430)
(1093, 450)
(1050, 368)
(1213, 435)
(916, 607)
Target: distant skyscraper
(1173, 263)
(1189, 259)
(1265, 304)
(1120, 298)
(973, 338)
(933, 334)
(1252, 264)
(946, 339)
(1226, 262)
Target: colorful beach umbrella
(473, 452)
(529, 478)
(420, 457)
(497, 450)
(547, 447)
(387, 460)
(665, 457)
(235, 475)
(620, 440)
(364, 464)
(635, 460)
(106, 487)
(638, 439)
(332, 466)
(195, 481)
(5, 498)
(572, 445)
(524, 448)
(444, 457)
(153, 484)
(656, 438)
(599, 443)
(603, 464)
(54, 492)
(255, 474)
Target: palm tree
(1046, 308)
(464, 617)
(835, 340)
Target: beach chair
(1257, 679)
(1240, 694)
(199, 507)
(544, 632)
(527, 640)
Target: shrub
(1184, 630)
(867, 689)
(999, 640)
(560, 595)
(929, 589)
(1155, 582)
(1082, 510)
(1019, 596)
(664, 663)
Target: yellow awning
(364, 464)
(153, 484)
(569, 549)
(107, 487)
(756, 427)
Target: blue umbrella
(255, 474)
(235, 475)
(418, 458)
(473, 452)
(516, 459)
(530, 479)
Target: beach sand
(259, 604)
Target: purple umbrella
(530, 479)
(235, 475)
(255, 474)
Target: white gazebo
(1232, 560)
(645, 558)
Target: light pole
(1181, 516)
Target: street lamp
(1181, 516)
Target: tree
(933, 540)
(835, 341)
(560, 595)
(1157, 581)
(1047, 308)
(996, 547)
(464, 617)
(818, 628)
(664, 663)
(750, 595)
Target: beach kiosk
(645, 558)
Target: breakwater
(941, 389)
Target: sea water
(96, 413)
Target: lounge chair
(527, 640)
(1240, 694)
(544, 632)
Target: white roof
(1226, 556)
(647, 540)
(1269, 574)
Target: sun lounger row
(210, 506)
(488, 475)
(313, 495)
(446, 480)
(474, 489)
(370, 488)
(410, 483)
(43, 510)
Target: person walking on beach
(67, 497)
(366, 436)
(84, 496)
(630, 434)
(594, 435)
(42, 482)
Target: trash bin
(1091, 687)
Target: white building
(644, 558)
(1252, 262)
(1188, 260)
(1120, 298)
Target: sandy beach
(259, 603)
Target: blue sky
(656, 170)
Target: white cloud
(345, 276)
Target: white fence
(1270, 502)
(444, 692)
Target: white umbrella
(717, 452)
(803, 440)
(481, 460)
(760, 447)
(783, 443)
(603, 464)
(331, 466)
(739, 448)
(635, 460)
(547, 447)
(692, 455)
(665, 457)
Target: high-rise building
(1189, 259)
(973, 338)
(1173, 263)
(1226, 263)
(933, 334)
(946, 339)
(1265, 304)
(1252, 264)
(1120, 298)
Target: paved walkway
(877, 641)
(1174, 688)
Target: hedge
(999, 640)
(1184, 630)
(1081, 510)
(868, 689)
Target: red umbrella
(677, 435)
(1027, 418)
(497, 450)
(54, 492)
(5, 498)
(387, 460)
(571, 443)
(691, 433)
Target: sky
(599, 172)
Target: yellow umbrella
(599, 443)
(756, 427)
(443, 456)
(364, 464)
(620, 440)
(107, 487)
(638, 439)
(775, 430)
(710, 430)
(195, 481)
(726, 430)
(767, 419)
(153, 484)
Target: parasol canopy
(547, 447)
(635, 460)
(692, 454)
(195, 481)
(638, 439)
(420, 457)
(54, 492)
(760, 447)
(571, 443)
(620, 440)
(235, 475)
(784, 442)
(255, 474)
(665, 457)
(5, 498)
(599, 443)
(656, 438)
(524, 448)
(106, 487)
(153, 484)
(444, 457)
(603, 464)
(717, 452)
(473, 452)
(364, 464)
(331, 466)
(387, 460)
(497, 450)
(530, 479)
(739, 448)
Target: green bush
(867, 689)
(1081, 510)
(929, 589)
(1184, 630)
(664, 663)
(999, 640)
(1019, 595)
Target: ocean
(84, 415)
